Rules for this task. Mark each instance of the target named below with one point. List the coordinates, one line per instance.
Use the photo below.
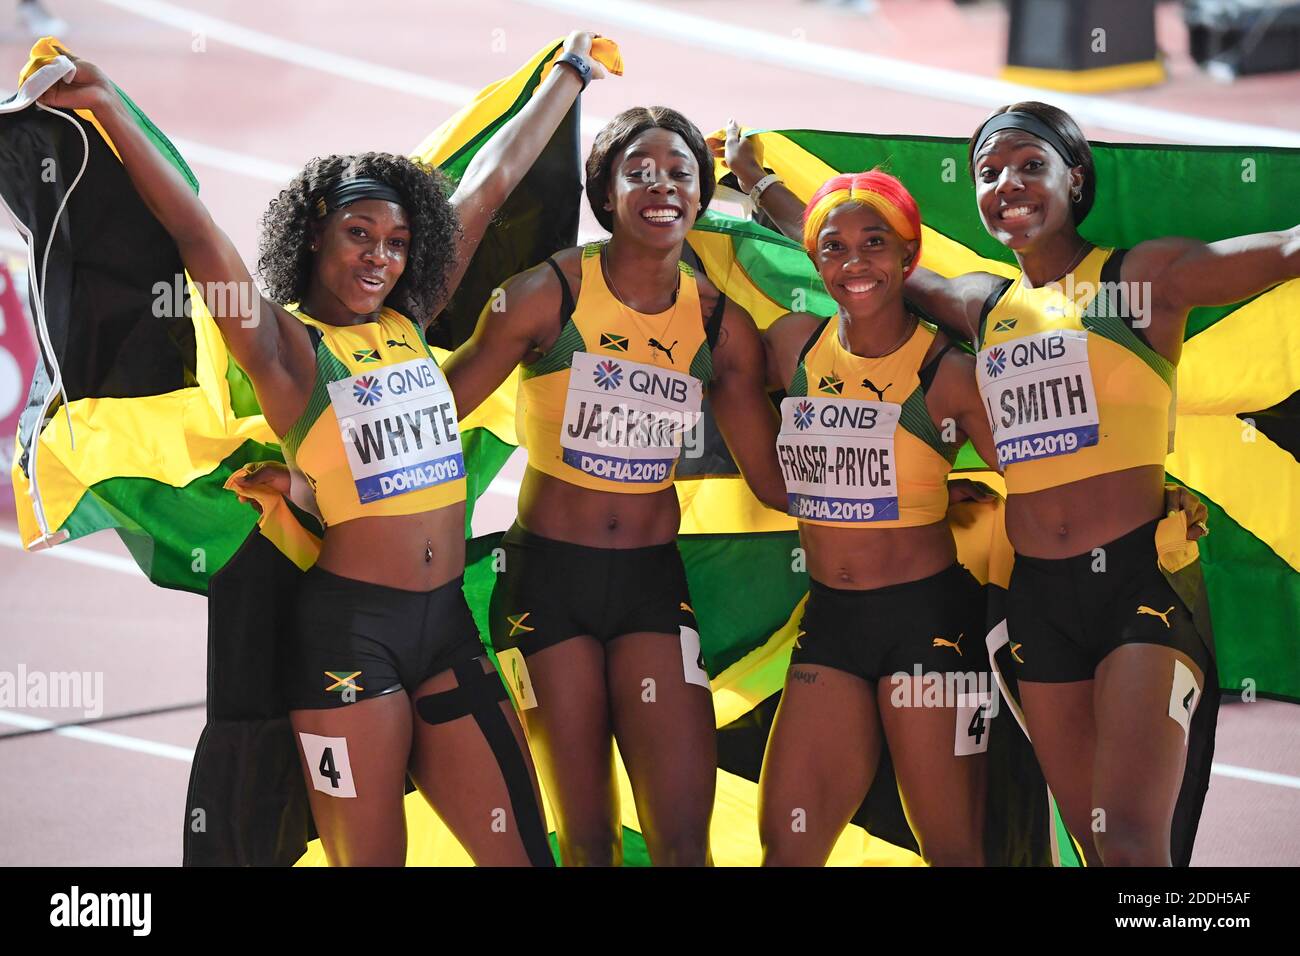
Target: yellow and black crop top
(1070, 389)
(379, 435)
(857, 444)
(608, 406)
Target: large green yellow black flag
(1238, 411)
(137, 416)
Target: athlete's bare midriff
(560, 511)
(391, 550)
(861, 559)
(1073, 519)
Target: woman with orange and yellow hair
(877, 404)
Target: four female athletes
(619, 343)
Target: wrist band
(756, 193)
(580, 66)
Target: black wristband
(580, 66)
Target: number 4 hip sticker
(327, 759)
(973, 723)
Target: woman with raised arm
(619, 342)
(1077, 379)
(358, 254)
(877, 404)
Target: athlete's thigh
(473, 767)
(943, 792)
(356, 777)
(1063, 730)
(1142, 699)
(665, 730)
(821, 757)
(571, 739)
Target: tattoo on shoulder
(803, 676)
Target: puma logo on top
(880, 392)
(393, 343)
(667, 350)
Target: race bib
(837, 456)
(625, 421)
(1038, 394)
(399, 429)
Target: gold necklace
(907, 334)
(1079, 257)
(635, 316)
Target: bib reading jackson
(399, 429)
(1038, 393)
(837, 456)
(624, 420)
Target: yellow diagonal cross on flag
(366, 356)
(343, 681)
(517, 625)
(617, 343)
(831, 384)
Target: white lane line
(1255, 776)
(505, 487)
(70, 552)
(172, 752)
(300, 54)
(951, 86)
(241, 164)
(101, 737)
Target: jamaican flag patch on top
(618, 343)
(831, 385)
(365, 356)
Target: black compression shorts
(935, 624)
(1064, 615)
(551, 591)
(354, 640)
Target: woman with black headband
(358, 254)
(1077, 378)
(618, 342)
(1078, 388)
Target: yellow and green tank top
(1070, 388)
(608, 406)
(379, 435)
(857, 444)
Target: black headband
(347, 191)
(1030, 124)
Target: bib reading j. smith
(624, 420)
(837, 456)
(1037, 391)
(399, 429)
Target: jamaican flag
(137, 417)
(1238, 407)
(1238, 421)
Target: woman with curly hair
(358, 255)
(619, 342)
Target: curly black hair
(624, 128)
(284, 259)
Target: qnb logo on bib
(837, 456)
(1038, 394)
(626, 421)
(399, 429)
